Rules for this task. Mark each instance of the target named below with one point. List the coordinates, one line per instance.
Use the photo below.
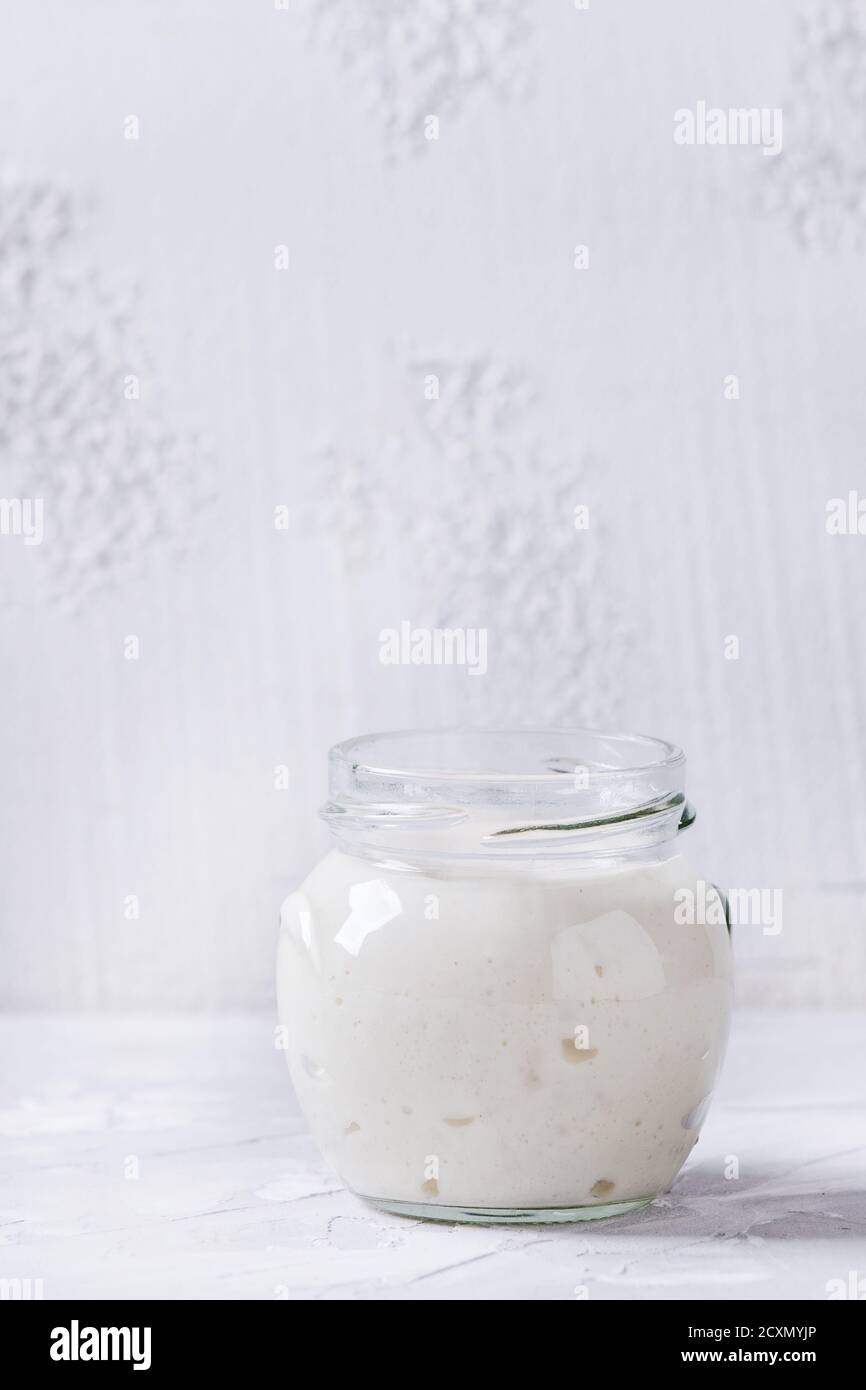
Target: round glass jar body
(506, 994)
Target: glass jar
(506, 994)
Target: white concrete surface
(232, 1201)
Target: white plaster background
(304, 127)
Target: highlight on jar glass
(493, 1007)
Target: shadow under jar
(506, 994)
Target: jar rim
(468, 793)
(603, 755)
(506, 791)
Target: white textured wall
(407, 257)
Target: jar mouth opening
(506, 791)
(512, 758)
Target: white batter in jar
(492, 1010)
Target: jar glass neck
(449, 796)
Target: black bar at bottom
(165, 1338)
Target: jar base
(504, 1216)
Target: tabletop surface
(165, 1157)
